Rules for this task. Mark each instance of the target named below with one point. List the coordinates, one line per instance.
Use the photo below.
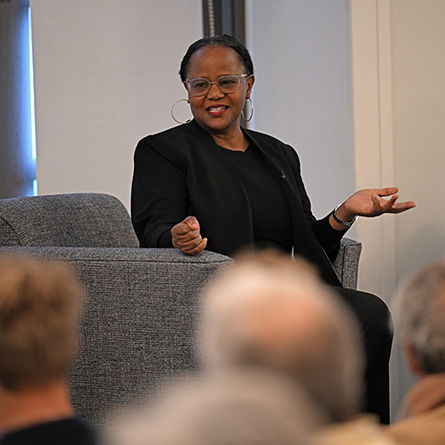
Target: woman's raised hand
(186, 236)
(372, 202)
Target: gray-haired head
(419, 314)
(272, 311)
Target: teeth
(217, 109)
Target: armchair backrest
(68, 220)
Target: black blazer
(181, 172)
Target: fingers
(392, 206)
(387, 191)
(184, 227)
(380, 205)
(197, 249)
(400, 207)
(192, 222)
(388, 203)
(373, 202)
(187, 238)
(193, 247)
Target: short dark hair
(223, 40)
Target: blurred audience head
(40, 303)
(269, 310)
(238, 407)
(420, 318)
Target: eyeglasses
(227, 84)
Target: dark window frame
(224, 17)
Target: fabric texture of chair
(138, 327)
(70, 220)
(346, 263)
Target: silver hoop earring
(173, 116)
(251, 110)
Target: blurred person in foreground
(420, 319)
(239, 407)
(40, 305)
(269, 311)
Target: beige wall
(399, 114)
(418, 67)
(105, 76)
(399, 137)
(418, 55)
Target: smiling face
(217, 112)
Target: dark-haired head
(223, 40)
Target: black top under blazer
(181, 172)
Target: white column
(373, 139)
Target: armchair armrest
(346, 263)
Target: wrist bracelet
(343, 223)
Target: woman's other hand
(372, 202)
(186, 236)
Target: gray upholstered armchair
(140, 315)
